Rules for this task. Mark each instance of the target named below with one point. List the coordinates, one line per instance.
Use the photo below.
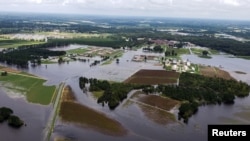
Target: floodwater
(129, 114)
(226, 62)
(34, 116)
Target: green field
(97, 94)
(179, 51)
(77, 51)
(48, 62)
(30, 86)
(113, 56)
(198, 51)
(75, 35)
(9, 43)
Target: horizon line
(120, 16)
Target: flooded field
(34, 116)
(141, 122)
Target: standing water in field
(129, 114)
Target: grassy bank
(31, 87)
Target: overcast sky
(222, 9)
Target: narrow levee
(54, 113)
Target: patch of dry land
(215, 72)
(9, 70)
(73, 112)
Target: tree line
(113, 94)
(22, 55)
(195, 90)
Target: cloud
(230, 2)
(179, 8)
(35, 1)
(65, 2)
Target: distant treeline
(22, 55)
(225, 45)
(221, 44)
(103, 42)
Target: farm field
(30, 86)
(77, 51)
(153, 77)
(87, 117)
(214, 72)
(160, 102)
(12, 43)
(156, 108)
(72, 35)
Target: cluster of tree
(170, 53)
(22, 55)
(205, 53)
(157, 49)
(82, 60)
(104, 58)
(219, 85)
(149, 89)
(114, 93)
(147, 49)
(187, 109)
(206, 40)
(221, 44)
(83, 81)
(4, 73)
(95, 41)
(96, 62)
(197, 89)
(7, 114)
